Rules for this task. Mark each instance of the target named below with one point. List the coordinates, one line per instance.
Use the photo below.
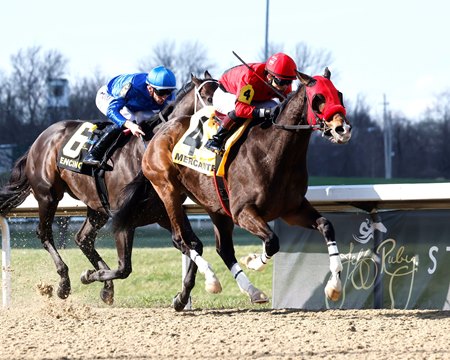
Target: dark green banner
(391, 259)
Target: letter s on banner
(432, 250)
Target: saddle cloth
(189, 151)
(73, 152)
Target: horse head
(204, 88)
(326, 107)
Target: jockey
(127, 99)
(242, 94)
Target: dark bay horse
(37, 172)
(267, 179)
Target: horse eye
(210, 100)
(317, 100)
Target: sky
(394, 48)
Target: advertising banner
(391, 259)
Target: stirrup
(90, 160)
(211, 145)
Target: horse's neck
(294, 112)
(185, 105)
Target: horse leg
(182, 298)
(164, 178)
(85, 240)
(223, 230)
(309, 217)
(47, 210)
(249, 219)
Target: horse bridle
(197, 93)
(320, 123)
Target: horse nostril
(340, 130)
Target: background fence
(381, 230)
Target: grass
(156, 276)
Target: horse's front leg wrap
(335, 258)
(212, 283)
(256, 295)
(333, 289)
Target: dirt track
(64, 330)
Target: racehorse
(266, 176)
(37, 172)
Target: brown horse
(37, 171)
(267, 179)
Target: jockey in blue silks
(128, 99)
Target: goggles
(162, 92)
(281, 82)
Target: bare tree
(312, 61)
(190, 57)
(308, 60)
(32, 68)
(273, 48)
(82, 97)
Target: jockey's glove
(266, 113)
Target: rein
(320, 124)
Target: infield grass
(156, 276)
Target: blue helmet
(161, 78)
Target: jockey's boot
(97, 153)
(215, 144)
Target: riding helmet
(161, 78)
(281, 66)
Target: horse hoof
(332, 294)
(213, 285)
(107, 296)
(245, 260)
(257, 296)
(333, 289)
(178, 305)
(253, 262)
(85, 277)
(63, 292)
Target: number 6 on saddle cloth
(73, 152)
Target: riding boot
(215, 144)
(97, 153)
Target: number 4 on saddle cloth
(73, 152)
(189, 151)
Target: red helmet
(281, 66)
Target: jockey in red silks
(242, 94)
(128, 98)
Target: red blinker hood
(333, 104)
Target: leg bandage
(240, 277)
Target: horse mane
(148, 125)
(132, 198)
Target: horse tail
(17, 189)
(132, 199)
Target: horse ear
(327, 73)
(195, 80)
(207, 75)
(305, 79)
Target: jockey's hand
(134, 128)
(266, 113)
